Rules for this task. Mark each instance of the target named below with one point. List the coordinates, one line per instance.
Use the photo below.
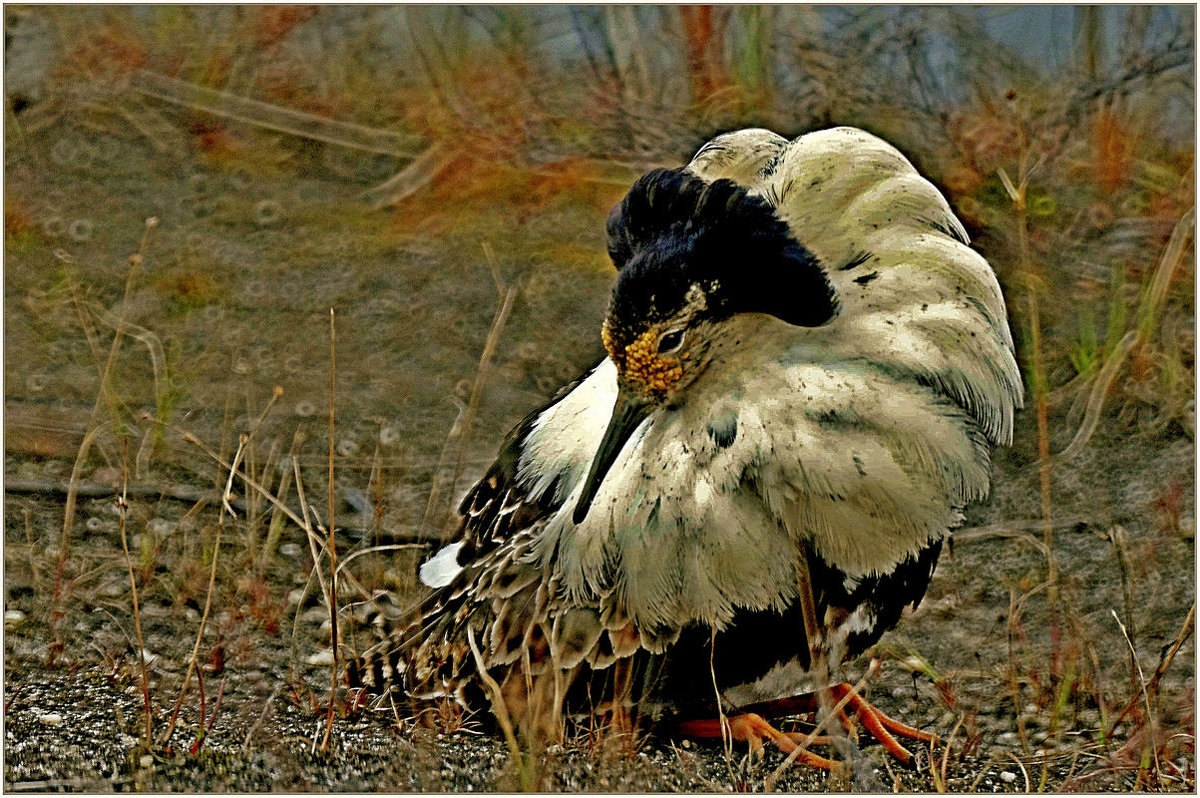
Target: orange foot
(752, 728)
(877, 724)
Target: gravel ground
(77, 726)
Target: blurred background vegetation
(439, 176)
(303, 157)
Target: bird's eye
(670, 341)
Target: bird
(807, 367)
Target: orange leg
(879, 725)
(752, 729)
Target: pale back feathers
(864, 437)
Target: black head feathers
(674, 231)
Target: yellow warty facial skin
(641, 364)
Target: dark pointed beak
(627, 414)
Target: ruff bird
(806, 367)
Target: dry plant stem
(262, 716)
(203, 703)
(726, 736)
(498, 704)
(206, 729)
(419, 173)
(435, 491)
(949, 744)
(1144, 692)
(982, 772)
(822, 722)
(375, 485)
(158, 364)
(1014, 687)
(1151, 307)
(1034, 279)
(1185, 632)
(34, 568)
(1024, 772)
(212, 581)
(86, 325)
(221, 461)
(333, 615)
(1043, 445)
(1164, 664)
(310, 533)
(343, 562)
(185, 494)
(1043, 430)
(435, 514)
(123, 506)
(94, 425)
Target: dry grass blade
(343, 562)
(34, 569)
(158, 364)
(310, 531)
(411, 179)
(1185, 631)
(1043, 446)
(273, 117)
(1024, 772)
(226, 507)
(771, 780)
(946, 752)
(123, 508)
(1142, 684)
(726, 740)
(333, 569)
(1150, 309)
(434, 513)
(262, 716)
(212, 581)
(94, 426)
(500, 707)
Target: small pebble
(159, 526)
(1007, 776)
(315, 615)
(321, 658)
(50, 719)
(290, 550)
(146, 761)
(107, 476)
(13, 616)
